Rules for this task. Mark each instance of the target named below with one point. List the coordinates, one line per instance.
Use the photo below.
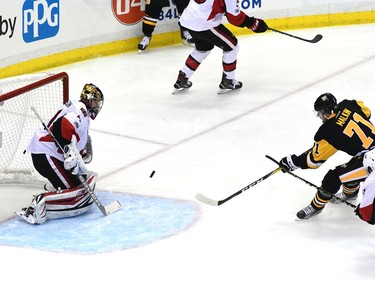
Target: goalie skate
(27, 215)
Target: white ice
(216, 145)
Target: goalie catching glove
(87, 153)
(287, 163)
(73, 160)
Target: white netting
(18, 123)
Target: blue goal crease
(140, 221)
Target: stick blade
(317, 38)
(206, 200)
(111, 208)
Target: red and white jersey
(366, 207)
(73, 118)
(202, 15)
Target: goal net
(46, 92)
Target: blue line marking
(140, 221)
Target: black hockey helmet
(93, 98)
(326, 103)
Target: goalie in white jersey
(202, 18)
(65, 195)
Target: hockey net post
(46, 92)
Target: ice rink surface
(216, 145)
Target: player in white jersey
(365, 210)
(203, 20)
(65, 196)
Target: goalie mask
(369, 161)
(93, 98)
(325, 105)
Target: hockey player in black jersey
(346, 127)
(151, 18)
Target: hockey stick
(311, 184)
(213, 202)
(316, 39)
(106, 210)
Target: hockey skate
(27, 215)
(308, 212)
(187, 39)
(36, 212)
(341, 197)
(144, 43)
(182, 84)
(229, 85)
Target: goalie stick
(316, 39)
(212, 202)
(311, 184)
(106, 210)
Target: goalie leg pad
(59, 204)
(69, 202)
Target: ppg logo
(40, 19)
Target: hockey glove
(73, 160)
(287, 163)
(258, 26)
(71, 164)
(87, 152)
